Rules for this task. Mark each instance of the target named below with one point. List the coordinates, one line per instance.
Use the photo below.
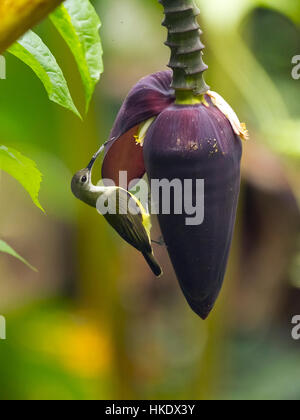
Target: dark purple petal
(149, 97)
(197, 142)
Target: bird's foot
(159, 242)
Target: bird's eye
(84, 179)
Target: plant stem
(186, 50)
(17, 16)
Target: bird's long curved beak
(94, 158)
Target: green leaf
(4, 247)
(79, 24)
(33, 52)
(23, 170)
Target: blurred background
(93, 323)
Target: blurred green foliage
(78, 24)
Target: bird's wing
(128, 225)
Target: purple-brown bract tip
(148, 98)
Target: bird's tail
(153, 264)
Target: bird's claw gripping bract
(200, 141)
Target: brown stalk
(18, 16)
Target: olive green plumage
(125, 214)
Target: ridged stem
(186, 50)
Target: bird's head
(82, 181)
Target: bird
(128, 218)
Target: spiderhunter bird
(129, 218)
